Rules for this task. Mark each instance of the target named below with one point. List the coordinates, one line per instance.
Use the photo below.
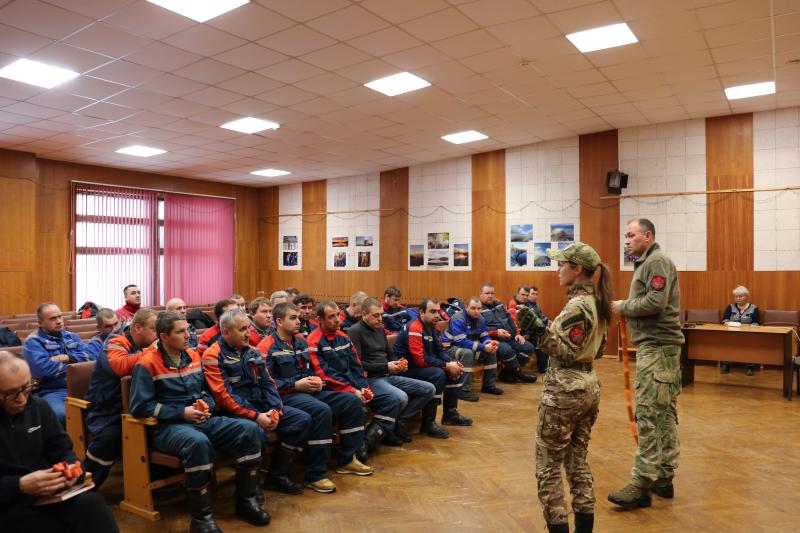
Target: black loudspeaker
(616, 181)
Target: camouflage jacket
(654, 300)
(576, 336)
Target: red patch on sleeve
(658, 283)
(577, 335)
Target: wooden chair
(79, 376)
(703, 316)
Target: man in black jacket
(31, 441)
(384, 370)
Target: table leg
(787, 365)
(687, 365)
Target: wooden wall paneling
(488, 214)
(267, 239)
(315, 201)
(729, 165)
(600, 225)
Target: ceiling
(503, 67)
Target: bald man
(352, 313)
(178, 306)
(31, 441)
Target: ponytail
(604, 294)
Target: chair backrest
(682, 315)
(79, 375)
(778, 317)
(702, 316)
(391, 339)
(125, 390)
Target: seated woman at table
(741, 310)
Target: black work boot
(391, 439)
(429, 426)
(247, 506)
(558, 528)
(492, 389)
(507, 375)
(523, 377)
(372, 438)
(400, 432)
(201, 511)
(278, 477)
(469, 396)
(584, 522)
(451, 416)
(663, 487)
(631, 496)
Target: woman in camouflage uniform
(571, 395)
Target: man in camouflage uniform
(651, 311)
(571, 394)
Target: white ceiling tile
(491, 12)
(68, 57)
(439, 25)
(162, 57)
(317, 106)
(348, 23)
(305, 10)
(251, 22)
(213, 96)
(581, 77)
(42, 19)
(251, 56)
(172, 85)
(733, 12)
(728, 35)
(586, 17)
(286, 96)
(91, 87)
(250, 107)
(415, 58)
(759, 68)
(335, 57)
(204, 40)
(385, 42)
(745, 50)
(125, 73)
(106, 110)
(636, 9)
(96, 9)
(32, 110)
(291, 71)
(368, 70)
(325, 84)
(149, 20)
(60, 100)
(250, 84)
(468, 44)
(593, 89)
(297, 41)
(107, 40)
(178, 107)
(209, 71)
(356, 95)
(787, 43)
(20, 43)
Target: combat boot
(631, 496)
(452, 417)
(584, 522)
(372, 437)
(469, 396)
(523, 377)
(507, 375)
(201, 511)
(429, 426)
(400, 431)
(247, 506)
(491, 389)
(278, 476)
(663, 487)
(558, 528)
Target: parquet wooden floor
(740, 470)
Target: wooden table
(769, 345)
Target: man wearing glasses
(31, 441)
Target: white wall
(354, 193)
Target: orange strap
(626, 376)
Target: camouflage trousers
(567, 411)
(658, 383)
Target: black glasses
(13, 396)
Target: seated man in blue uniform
(352, 313)
(513, 351)
(31, 441)
(178, 306)
(48, 351)
(395, 315)
(119, 356)
(238, 378)
(167, 382)
(419, 343)
(305, 304)
(107, 326)
(286, 353)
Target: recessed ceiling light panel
(36, 73)
(200, 10)
(750, 90)
(270, 172)
(395, 84)
(250, 125)
(464, 137)
(140, 151)
(603, 37)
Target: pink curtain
(116, 244)
(198, 248)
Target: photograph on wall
(340, 259)
(340, 242)
(363, 240)
(460, 255)
(438, 258)
(519, 255)
(416, 255)
(289, 259)
(364, 259)
(438, 241)
(540, 258)
(628, 259)
(562, 232)
(562, 245)
(290, 243)
(521, 232)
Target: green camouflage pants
(658, 383)
(567, 412)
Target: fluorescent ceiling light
(602, 38)
(140, 151)
(395, 84)
(270, 172)
(36, 73)
(200, 10)
(749, 90)
(464, 137)
(250, 125)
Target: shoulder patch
(576, 318)
(657, 283)
(577, 335)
